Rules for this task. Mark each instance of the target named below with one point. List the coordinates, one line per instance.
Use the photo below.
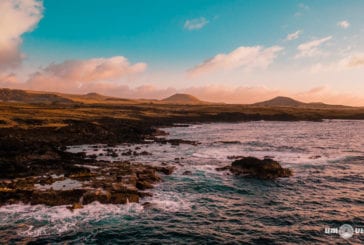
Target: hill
(94, 96)
(182, 99)
(15, 95)
(282, 101)
(29, 96)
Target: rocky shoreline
(54, 177)
(37, 169)
(105, 182)
(33, 159)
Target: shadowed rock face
(261, 169)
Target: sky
(234, 51)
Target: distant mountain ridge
(25, 96)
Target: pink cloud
(77, 75)
(17, 17)
(344, 24)
(247, 95)
(326, 95)
(10, 81)
(94, 69)
(353, 61)
(235, 95)
(243, 57)
(311, 48)
(213, 93)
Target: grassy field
(56, 115)
(33, 137)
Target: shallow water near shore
(199, 204)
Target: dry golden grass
(56, 115)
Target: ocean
(199, 205)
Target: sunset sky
(239, 51)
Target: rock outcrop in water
(256, 168)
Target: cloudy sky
(236, 51)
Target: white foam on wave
(297, 145)
(66, 184)
(169, 202)
(40, 220)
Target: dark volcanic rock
(143, 185)
(104, 182)
(55, 198)
(167, 170)
(261, 169)
(223, 168)
(98, 195)
(176, 142)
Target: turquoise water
(207, 207)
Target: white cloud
(311, 48)
(303, 6)
(327, 95)
(234, 95)
(352, 61)
(344, 24)
(243, 57)
(195, 24)
(75, 74)
(9, 81)
(294, 35)
(249, 94)
(94, 69)
(253, 94)
(17, 17)
(213, 93)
